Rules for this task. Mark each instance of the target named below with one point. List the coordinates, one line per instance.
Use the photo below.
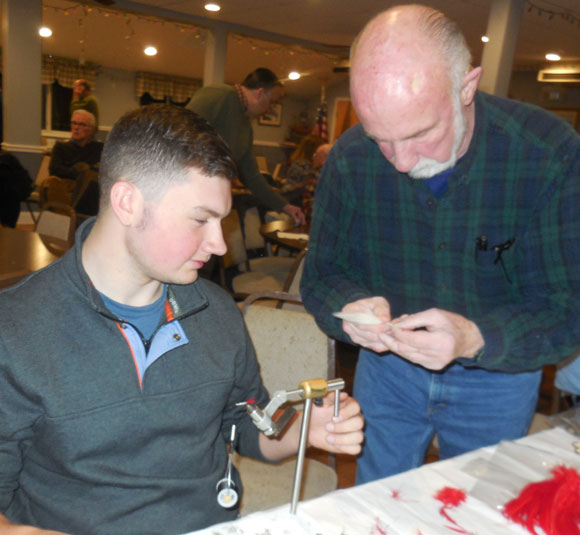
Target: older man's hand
(368, 335)
(433, 338)
(295, 213)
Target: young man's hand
(7, 528)
(343, 434)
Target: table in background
(22, 252)
(270, 233)
(405, 504)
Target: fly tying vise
(308, 391)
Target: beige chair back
(289, 345)
(290, 348)
(232, 230)
(58, 221)
(252, 223)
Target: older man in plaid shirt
(451, 216)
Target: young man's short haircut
(155, 146)
(261, 78)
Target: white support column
(22, 87)
(498, 54)
(215, 57)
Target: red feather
(451, 497)
(553, 504)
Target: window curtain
(152, 87)
(66, 71)
(61, 73)
(61, 97)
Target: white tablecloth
(405, 504)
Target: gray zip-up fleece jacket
(84, 448)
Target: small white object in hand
(292, 235)
(362, 318)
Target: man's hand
(433, 338)
(295, 213)
(341, 435)
(7, 528)
(368, 335)
(338, 435)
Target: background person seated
(78, 160)
(307, 161)
(301, 163)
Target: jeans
(404, 405)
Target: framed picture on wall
(570, 115)
(272, 118)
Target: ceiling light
(294, 75)
(45, 31)
(485, 38)
(212, 7)
(553, 56)
(150, 51)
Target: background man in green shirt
(83, 100)
(230, 111)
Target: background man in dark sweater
(78, 159)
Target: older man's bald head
(407, 37)
(412, 88)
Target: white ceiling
(310, 36)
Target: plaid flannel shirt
(377, 232)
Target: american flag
(321, 126)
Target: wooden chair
(34, 200)
(262, 164)
(290, 348)
(276, 172)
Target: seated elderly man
(78, 160)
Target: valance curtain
(161, 86)
(66, 71)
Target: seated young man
(120, 369)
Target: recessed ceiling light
(485, 38)
(212, 7)
(45, 31)
(552, 56)
(150, 51)
(294, 75)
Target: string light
(130, 17)
(567, 16)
